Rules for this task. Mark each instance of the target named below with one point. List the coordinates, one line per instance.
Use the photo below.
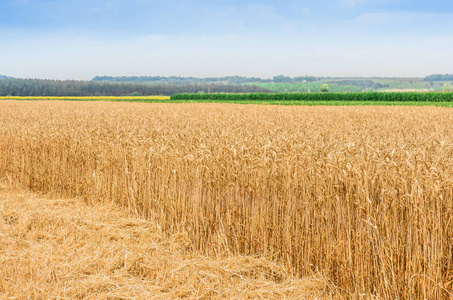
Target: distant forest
(439, 77)
(161, 85)
(192, 80)
(40, 87)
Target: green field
(369, 96)
(408, 84)
(325, 99)
(354, 85)
(307, 87)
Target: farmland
(355, 85)
(375, 96)
(90, 98)
(358, 196)
(444, 99)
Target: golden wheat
(362, 195)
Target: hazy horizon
(231, 75)
(81, 39)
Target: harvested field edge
(89, 98)
(53, 248)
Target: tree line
(439, 77)
(192, 80)
(43, 87)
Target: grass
(361, 195)
(165, 99)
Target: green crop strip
(373, 96)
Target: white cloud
(404, 17)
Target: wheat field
(361, 196)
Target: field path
(66, 249)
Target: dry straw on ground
(64, 249)
(361, 195)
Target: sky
(80, 39)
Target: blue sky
(79, 39)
